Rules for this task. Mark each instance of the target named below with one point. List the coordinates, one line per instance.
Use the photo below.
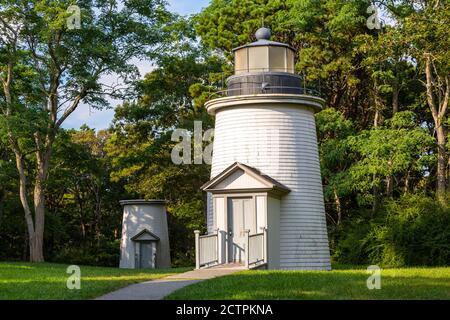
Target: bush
(411, 231)
(105, 253)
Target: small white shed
(145, 236)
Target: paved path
(158, 289)
(150, 290)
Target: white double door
(241, 216)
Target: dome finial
(263, 33)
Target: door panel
(146, 255)
(249, 216)
(241, 216)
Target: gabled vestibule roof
(145, 235)
(242, 178)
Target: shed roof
(145, 235)
(142, 201)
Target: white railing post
(217, 245)
(247, 248)
(197, 249)
(265, 244)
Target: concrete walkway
(158, 289)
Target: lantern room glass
(270, 58)
(241, 61)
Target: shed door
(147, 254)
(241, 216)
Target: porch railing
(206, 249)
(256, 245)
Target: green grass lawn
(341, 283)
(48, 281)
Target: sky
(101, 119)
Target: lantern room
(264, 55)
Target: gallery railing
(258, 88)
(263, 81)
(206, 249)
(256, 245)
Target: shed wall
(137, 218)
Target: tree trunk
(98, 209)
(37, 242)
(80, 205)
(406, 187)
(395, 97)
(389, 182)
(390, 178)
(441, 163)
(23, 198)
(375, 195)
(376, 124)
(448, 172)
(337, 202)
(42, 158)
(25, 245)
(438, 107)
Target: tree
(47, 70)
(336, 158)
(429, 37)
(423, 32)
(400, 149)
(83, 215)
(170, 97)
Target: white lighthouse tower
(265, 199)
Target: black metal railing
(262, 82)
(264, 90)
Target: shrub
(105, 253)
(411, 231)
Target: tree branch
(71, 109)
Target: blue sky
(100, 119)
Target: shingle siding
(280, 140)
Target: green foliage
(399, 148)
(335, 152)
(411, 231)
(185, 216)
(83, 216)
(103, 253)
